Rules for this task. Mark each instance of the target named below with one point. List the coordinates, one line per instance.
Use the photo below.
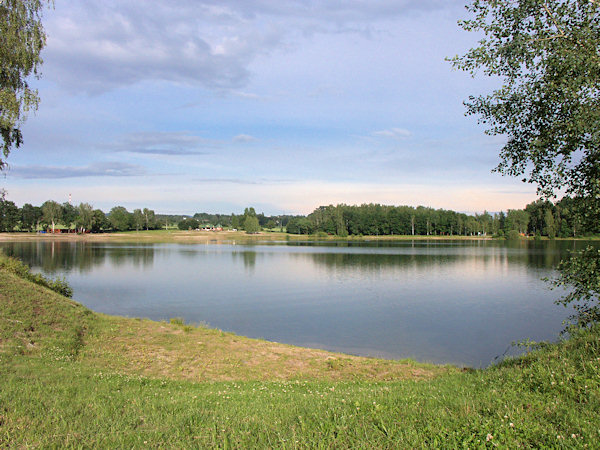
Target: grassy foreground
(71, 377)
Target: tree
(251, 224)
(581, 275)
(100, 221)
(188, 224)
(138, 219)
(22, 38)
(120, 219)
(517, 219)
(30, 216)
(484, 221)
(546, 53)
(550, 227)
(69, 214)
(149, 218)
(9, 214)
(235, 221)
(85, 217)
(51, 212)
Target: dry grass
(219, 237)
(165, 350)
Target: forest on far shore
(563, 219)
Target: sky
(213, 106)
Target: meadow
(71, 377)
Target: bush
(188, 224)
(61, 286)
(513, 235)
(18, 268)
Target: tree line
(83, 218)
(539, 218)
(238, 221)
(52, 216)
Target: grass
(70, 377)
(178, 236)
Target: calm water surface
(438, 301)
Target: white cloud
(99, 169)
(244, 138)
(393, 133)
(163, 143)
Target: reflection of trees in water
(376, 263)
(547, 254)
(529, 254)
(53, 256)
(247, 257)
(137, 256)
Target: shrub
(513, 235)
(16, 267)
(188, 224)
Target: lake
(459, 302)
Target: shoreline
(239, 237)
(162, 236)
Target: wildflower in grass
(489, 437)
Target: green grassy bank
(73, 377)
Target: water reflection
(53, 256)
(459, 302)
(58, 256)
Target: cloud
(225, 181)
(94, 47)
(163, 143)
(248, 182)
(396, 133)
(244, 138)
(100, 169)
(246, 95)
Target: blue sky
(205, 105)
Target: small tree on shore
(251, 225)
(85, 217)
(52, 212)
